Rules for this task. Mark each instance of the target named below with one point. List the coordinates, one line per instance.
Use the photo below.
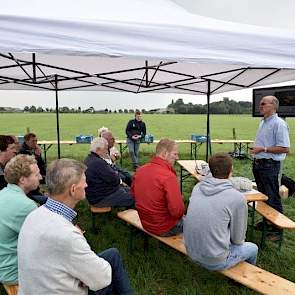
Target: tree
(32, 109)
(131, 111)
(40, 110)
(125, 111)
(120, 111)
(26, 109)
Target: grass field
(161, 270)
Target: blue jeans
(266, 174)
(177, 229)
(120, 282)
(237, 253)
(133, 147)
(120, 198)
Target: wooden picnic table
(189, 166)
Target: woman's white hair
(98, 143)
(101, 130)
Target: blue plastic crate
(149, 138)
(20, 139)
(199, 138)
(84, 138)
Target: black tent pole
(208, 142)
(57, 118)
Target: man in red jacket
(157, 193)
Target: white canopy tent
(135, 46)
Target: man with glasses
(271, 146)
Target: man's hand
(37, 151)
(135, 137)
(256, 150)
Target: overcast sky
(110, 100)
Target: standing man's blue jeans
(266, 173)
(120, 282)
(237, 253)
(133, 147)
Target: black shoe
(273, 236)
(260, 225)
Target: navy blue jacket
(135, 127)
(101, 178)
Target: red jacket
(157, 196)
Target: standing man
(271, 146)
(157, 193)
(54, 256)
(22, 175)
(30, 147)
(135, 131)
(216, 221)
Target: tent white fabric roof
(135, 46)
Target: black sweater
(101, 179)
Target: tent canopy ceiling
(135, 46)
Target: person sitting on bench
(54, 256)
(156, 190)
(216, 221)
(22, 175)
(104, 183)
(112, 157)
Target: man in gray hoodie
(216, 221)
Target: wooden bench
(94, 211)
(245, 273)
(276, 218)
(11, 289)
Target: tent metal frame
(36, 78)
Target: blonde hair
(165, 144)
(19, 166)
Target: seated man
(22, 175)
(30, 147)
(104, 188)
(7, 151)
(157, 193)
(216, 221)
(54, 256)
(112, 157)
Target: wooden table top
(189, 165)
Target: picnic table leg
(252, 222)
(121, 154)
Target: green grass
(161, 270)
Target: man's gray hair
(98, 143)
(275, 102)
(62, 174)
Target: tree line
(226, 106)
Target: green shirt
(14, 208)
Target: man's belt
(265, 161)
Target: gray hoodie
(216, 217)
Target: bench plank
(245, 273)
(275, 217)
(131, 217)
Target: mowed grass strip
(161, 270)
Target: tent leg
(57, 118)
(208, 143)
